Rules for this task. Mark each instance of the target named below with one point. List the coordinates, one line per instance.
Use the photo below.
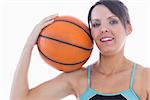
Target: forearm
(20, 88)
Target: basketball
(66, 44)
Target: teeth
(106, 39)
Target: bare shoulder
(76, 75)
(147, 81)
(144, 72)
(77, 79)
(144, 76)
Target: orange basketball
(65, 44)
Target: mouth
(106, 39)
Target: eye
(113, 22)
(95, 25)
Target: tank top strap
(89, 76)
(132, 75)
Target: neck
(109, 65)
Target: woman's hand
(32, 39)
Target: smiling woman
(110, 26)
(119, 78)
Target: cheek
(120, 37)
(94, 34)
(119, 31)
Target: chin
(111, 52)
(108, 51)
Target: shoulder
(144, 72)
(76, 79)
(148, 82)
(71, 78)
(144, 75)
(75, 74)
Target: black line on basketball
(76, 25)
(65, 42)
(61, 62)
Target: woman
(112, 77)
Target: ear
(129, 29)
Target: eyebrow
(98, 20)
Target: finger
(50, 17)
(47, 23)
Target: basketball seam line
(78, 26)
(61, 62)
(65, 42)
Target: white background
(18, 18)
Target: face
(107, 30)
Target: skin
(112, 67)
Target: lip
(106, 39)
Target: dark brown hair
(116, 7)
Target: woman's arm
(51, 90)
(148, 85)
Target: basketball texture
(65, 44)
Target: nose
(104, 30)
(104, 27)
